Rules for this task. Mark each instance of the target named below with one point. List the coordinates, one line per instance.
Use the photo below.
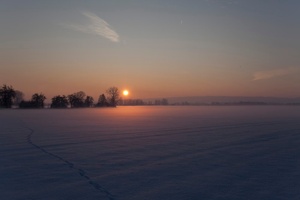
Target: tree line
(9, 97)
(140, 102)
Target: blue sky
(153, 48)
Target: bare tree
(113, 96)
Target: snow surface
(155, 153)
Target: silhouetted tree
(38, 100)
(7, 94)
(59, 102)
(76, 100)
(113, 96)
(89, 101)
(102, 101)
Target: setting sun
(125, 92)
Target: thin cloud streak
(97, 26)
(268, 74)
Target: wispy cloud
(267, 74)
(97, 26)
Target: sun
(125, 92)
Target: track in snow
(71, 165)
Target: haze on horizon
(152, 48)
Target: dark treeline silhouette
(37, 101)
(60, 102)
(132, 102)
(10, 97)
(81, 100)
(77, 99)
(138, 102)
(161, 102)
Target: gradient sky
(153, 48)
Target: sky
(152, 48)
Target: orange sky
(154, 49)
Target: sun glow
(125, 92)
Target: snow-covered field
(155, 153)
